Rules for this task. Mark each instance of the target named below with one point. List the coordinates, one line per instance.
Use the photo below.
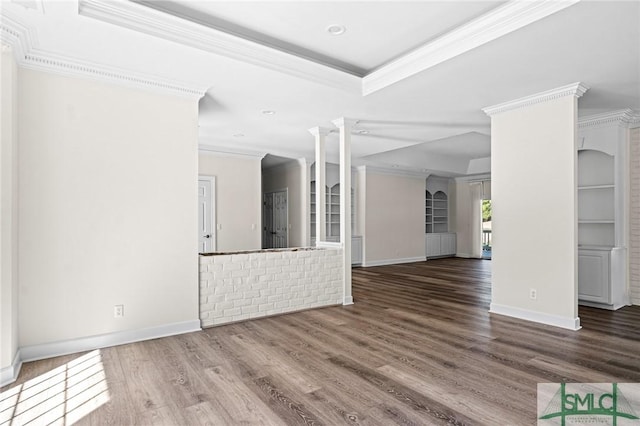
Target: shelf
(588, 187)
(596, 221)
(437, 207)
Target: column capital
(344, 122)
(575, 89)
(319, 131)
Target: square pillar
(345, 125)
(534, 201)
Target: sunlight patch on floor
(61, 396)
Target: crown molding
(69, 67)
(389, 171)
(347, 123)
(319, 131)
(484, 177)
(24, 45)
(498, 22)
(574, 89)
(14, 34)
(227, 152)
(153, 22)
(623, 118)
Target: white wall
(8, 210)
(394, 218)
(107, 208)
(290, 176)
(238, 199)
(533, 157)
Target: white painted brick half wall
(634, 218)
(237, 287)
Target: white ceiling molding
(347, 123)
(169, 27)
(16, 35)
(379, 170)
(68, 67)
(484, 177)
(574, 89)
(490, 26)
(24, 45)
(317, 131)
(228, 152)
(623, 117)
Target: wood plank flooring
(417, 347)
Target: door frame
(264, 231)
(214, 225)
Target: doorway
(275, 219)
(486, 229)
(206, 214)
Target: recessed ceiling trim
(490, 26)
(624, 117)
(29, 56)
(574, 89)
(225, 152)
(179, 30)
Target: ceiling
(413, 75)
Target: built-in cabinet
(332, 218)
(313, 210)
(332, 207)
(436, 212)
(602, 239)
(439, 242)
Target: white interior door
(280, 219)
(206, 214)
(269, 230)
(275, 220)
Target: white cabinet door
(593, 276)
(432, 245)
(447, 244)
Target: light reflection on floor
(61, 396)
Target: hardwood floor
(417, 347)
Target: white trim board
(24, 43)
(65, 347)
(155, 23)
(539, 317)
(10, 373)
(394, 261)
(224, 152)
(624, 118)
(498, 22)
(574, 89)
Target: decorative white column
(533, 166)
(345, 125)
(320, 134)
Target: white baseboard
(348, 300)
(49, 350)
(393, 261)
(540, 317)
(10, 374)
